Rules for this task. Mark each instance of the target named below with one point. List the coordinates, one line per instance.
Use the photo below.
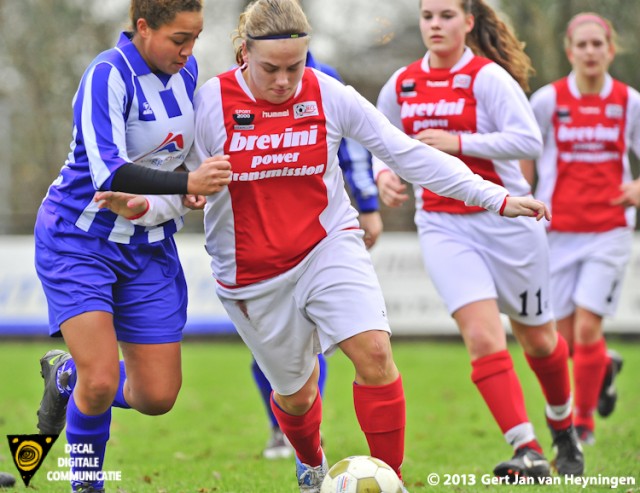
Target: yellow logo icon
(28, 452)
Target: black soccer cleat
(52, 413)
(7, 480)
(569, 460)
(526, 463)
(608, 392)
(87, 488)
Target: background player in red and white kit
(481, 264)
(589, 123)
(286, 249)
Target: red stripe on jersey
(279, 157)
(590, 140)
(442, 99)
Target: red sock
(589, 368)
(553, 374)
(500, 388)
(381, 413)
(302, 431)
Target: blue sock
(265, 391)
(88, 435)
(322, 378)
(119, 400)
(67, 373)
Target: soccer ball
(361, 474)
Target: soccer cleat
(608, 392)
(526, 463)
(87, 488)
(278, 446)
(52, 414)
(310, 478)
(569, 460)
(585, 435)
(6, 480)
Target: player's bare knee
(98, 392)
(539, 341)
(157, 405)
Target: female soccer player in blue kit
(108, 282)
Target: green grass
(212, 440)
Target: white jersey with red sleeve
(587, 139)
(475, 99)
(287, 192)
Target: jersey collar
(132, 54)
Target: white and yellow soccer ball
(361, 474)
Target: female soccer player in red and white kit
(589, 123)
(463, 99)
(292, 269)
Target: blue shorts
(142, 285)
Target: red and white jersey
(586, 153)
(479, 101)
(287, 192)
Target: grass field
(212, 440)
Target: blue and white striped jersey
(123, 113)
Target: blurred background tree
(45, 45)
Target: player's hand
(440, 139)
(124, 204)
(526, 206)
(194, 202)
(391, 189)
(630, 195)
(371, 223)
(211, 176)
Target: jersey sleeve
(355, 162)
(513, 133)
(99, 111)
(633, 120)
(162, 208)
(543, 102)
(388, 105)
(210, 133)
(353, 116)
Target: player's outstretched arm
(525, 206)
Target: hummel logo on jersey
(437, 83)
(275, 114)
(303, 110)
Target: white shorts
(333, 294)
(474, 257)
(587, 270)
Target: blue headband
(277, 36)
